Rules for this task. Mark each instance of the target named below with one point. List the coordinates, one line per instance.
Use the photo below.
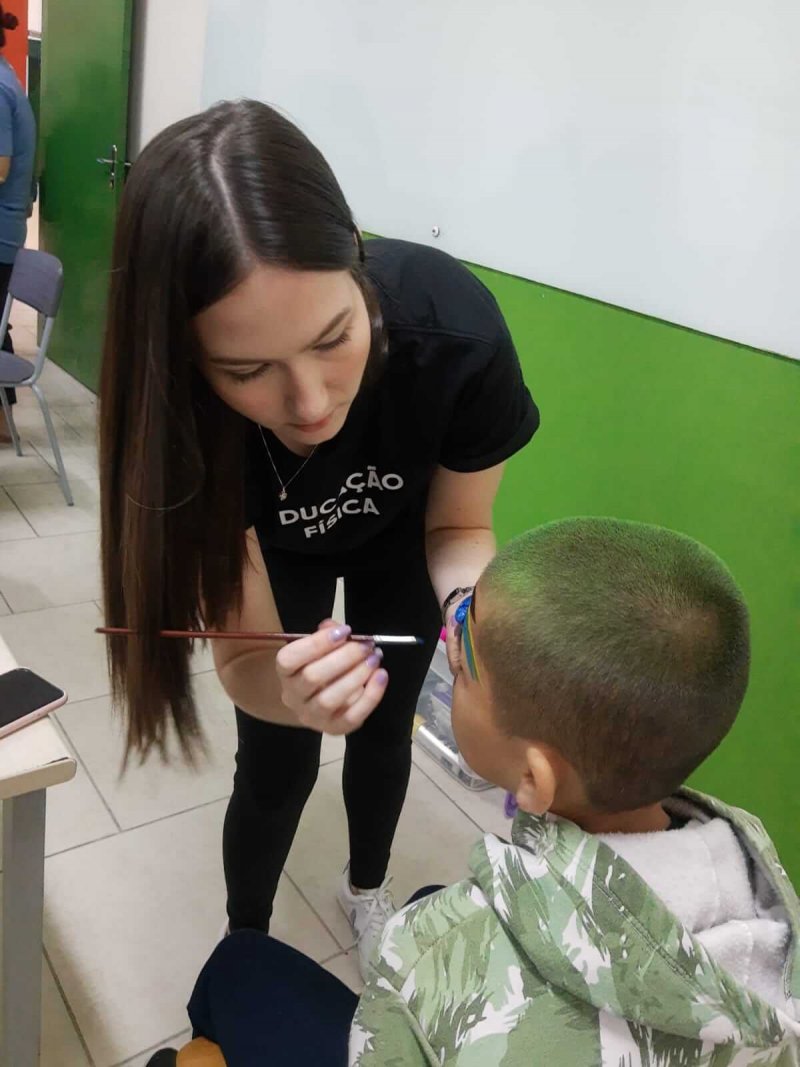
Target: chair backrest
(37, 279)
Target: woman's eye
(248, 376)
(342, 339)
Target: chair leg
(51, 433)
(8, 411)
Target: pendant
(282, 495)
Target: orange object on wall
(16, 50)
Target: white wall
(34, 16)
(642, 153)
(238, 31)
(167, 66)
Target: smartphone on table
(24, 698)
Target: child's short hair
(624, 646)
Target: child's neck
(641, 821)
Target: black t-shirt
(450, 393)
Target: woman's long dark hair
(208, 199)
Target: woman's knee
(386, 753)
(276, 766)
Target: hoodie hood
(718, 967)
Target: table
(31, 760)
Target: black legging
(7, 346)
(387, 590)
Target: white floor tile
(76, 814)
(345, 967)
(79, 459)
(13, 525)
(131, 920)
(432, 846)
(61, 1045)
(484, 808)
(26, 469)
(46, 509)
(61, 645)
(176, 1041)
(82, 418)
(66, 400)
(47, 572)
(154, 790)
(61, 388)
(332, 748)
(32, 430)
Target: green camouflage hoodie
(557, 953)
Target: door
(84, 118)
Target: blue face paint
(463, 617)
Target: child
(631, 921)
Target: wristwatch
(461, 591)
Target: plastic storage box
(433, 729)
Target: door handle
(112, 164)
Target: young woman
(17, 152)
(283, 405)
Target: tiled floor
(134, 887)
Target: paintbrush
(220, 635)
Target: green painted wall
(644, 420)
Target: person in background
(17, 156)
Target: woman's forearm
(252, 683)
(457, 557)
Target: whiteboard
(640, 152)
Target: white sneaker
(368, 912)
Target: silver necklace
(282, 495)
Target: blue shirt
(17, 140)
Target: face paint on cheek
(468, 645)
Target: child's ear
(537, 790)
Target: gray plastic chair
(38, 281)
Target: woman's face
(287, 349)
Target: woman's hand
(331, 684)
